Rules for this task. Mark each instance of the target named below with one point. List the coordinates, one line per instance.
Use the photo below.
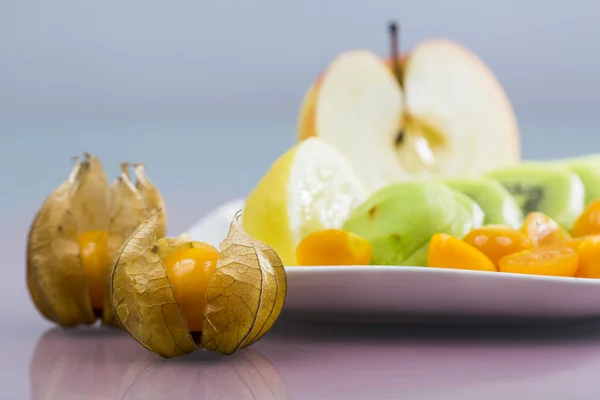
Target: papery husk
(89, 203)
(249, 270)
(127, 208)
(151, 196)
(142, 297)
(55, 276)
(245, 295)
(85, 202)
(168, 246)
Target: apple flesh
(357, 107)
(306, 121)
(449, 116)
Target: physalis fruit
(75, 237)
(174, 295)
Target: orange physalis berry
(446, 251)
(189, 271)
(554, 260)
(588, 222)
(496, 241)
(333, 247)
(541, 230)
(589, 258)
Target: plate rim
(511, 276)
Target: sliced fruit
(589, 258)
(473, 212)
(496, 241)
(455, 105)
(555, 261)
(451, 105)
(588, 170)
(574, 243)
(498, 206)
(356, 106)
(542, 230)
(334, 247)
(552, 190)
(310, 188)
(400, 219)
(446, 251)
(588, 222)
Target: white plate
(396, 292)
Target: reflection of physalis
(75, 237)
(174, 295)
(248, 375)
(72, 364)
(82, 364)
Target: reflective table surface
(323, 362)
(297, 359)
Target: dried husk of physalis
(151, 196)
(67, 281)
(245, 295)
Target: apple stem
(394, 54)
(395, 49)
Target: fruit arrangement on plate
(415, 161)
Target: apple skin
(401, 61)
(308, 112)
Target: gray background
(191, 56)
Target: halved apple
(445, 116)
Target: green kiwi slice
(499, 207)
(550, 189)
(588, 170)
